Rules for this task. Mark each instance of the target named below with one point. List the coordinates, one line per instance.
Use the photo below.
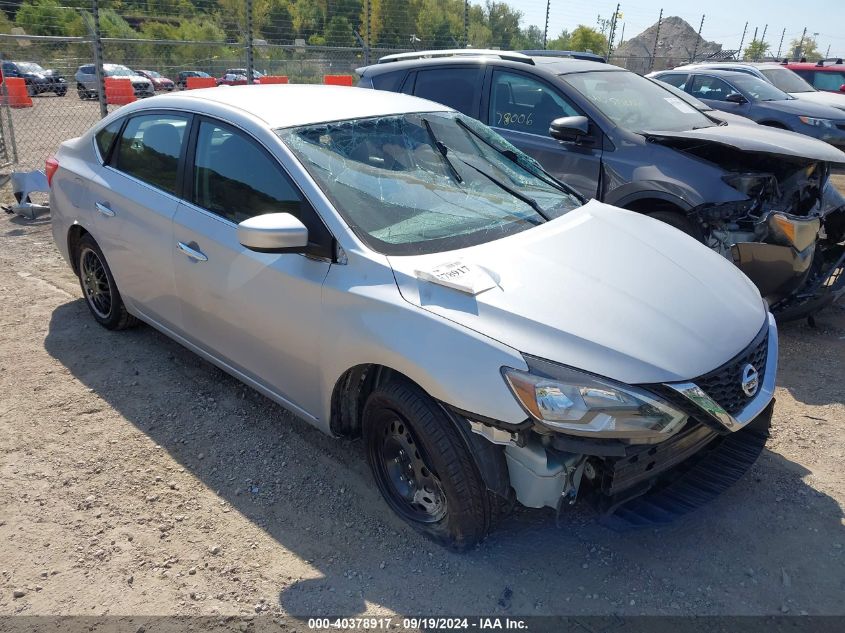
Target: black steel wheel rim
(95, 283)
(414, 488)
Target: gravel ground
(138, 479)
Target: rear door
(458, 87)
(257, 312)
(136, 198)
(521, 107)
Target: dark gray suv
(746, 191)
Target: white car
(384, 266)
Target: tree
(339, 32)
(439, 25)
(585, 38)
(44, 17)
(529, 38)
(278, 28)
(809, 48)
(562, 42)
(504, 24)
(393, 22)
(755, 50)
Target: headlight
(752, 185)
(582, 404)
(817, 122)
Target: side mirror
(570, 129)
(735, 97)
(273, 233)
(842, 88)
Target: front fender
(682, 197)
(366, 320)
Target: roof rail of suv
(830, 60)
(458, 52)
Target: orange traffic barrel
(200, 82)
(17, 94)
(337, 80)
(274, 79)
(119, 91)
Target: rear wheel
(81, 91)
(99, 288)
(422, 466)
(61, 92)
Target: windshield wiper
(546, 177)
(444, 151)
(531, 202)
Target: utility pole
(466, 23)
(656, 39)
(546, 31)
(801, 43)
(367, 33)
(827, 54)
(698, 39)
(250, 61)
(780, 46)
(612, 32)
(98, 59)
(622, 37)
(742, 41)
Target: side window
(389, 81)
(87, 70)
(829, 80)
(235, 179)
(149, 149)
(9, 68)
(677, 80)
(520, 103)
(105, 138)
(457, 88)
(713, 88)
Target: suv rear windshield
(636, 104)
(416, 183)
(786, 80)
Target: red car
(159, 82)
(827, 74)
(237, 77)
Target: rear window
(457, 88)
(388, 81)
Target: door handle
(193, 253)
(104, 208)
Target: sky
(724, 19)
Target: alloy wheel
(95, 283)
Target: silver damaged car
(388, 268)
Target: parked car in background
(386, 267)
(238, 76)
(38, 80)
(182, 79)
(752, 97)
(634, 143)
(158, 80)
(779, 76)
(827, 75)
(86, 80)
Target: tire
(422, 466)
(680, 222)
(61, 92)
(81, 91)
(99, 288)
(31, 90)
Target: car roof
(815, 66)
(705, 71)
(289, 105)
(547, 64)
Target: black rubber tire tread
(468, 516)
(119, 317)
(680, 222)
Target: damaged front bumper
(722, 438)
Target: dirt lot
(138, 479)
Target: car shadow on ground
(314, 496)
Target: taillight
(51, 166)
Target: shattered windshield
(635, 103)
(427, 182)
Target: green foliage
(810, 48)
(46, 17)
(562, 42)
(585, 38)
(755, 50)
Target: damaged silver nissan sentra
(385, 267)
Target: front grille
(723, 384)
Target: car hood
(803, 107)
(601, 289)
(822, 98)
(752, 138)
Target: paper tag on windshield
(680, 105)
(458, 275)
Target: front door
(521, 108)
(257, 312)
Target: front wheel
(423, 467)
(61, 92)
(99, 288)
(81, 91)
(680, 222)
